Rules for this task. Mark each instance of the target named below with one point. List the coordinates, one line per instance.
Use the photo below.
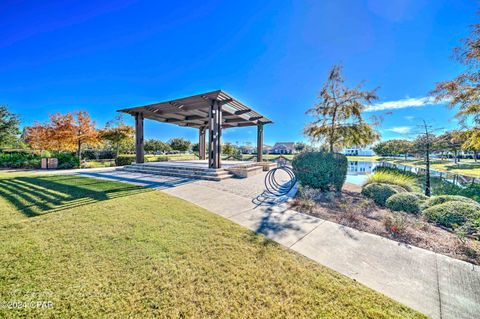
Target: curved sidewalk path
(437, 285)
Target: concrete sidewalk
(436, 285)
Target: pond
(358, 170)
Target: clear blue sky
(59, 56)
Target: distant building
(248, 149)
(358, 151)
(283, 148)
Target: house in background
(283, 148)
(248, 149)
(358, 151)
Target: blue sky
(59, 56)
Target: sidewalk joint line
(321, 223)
(438, 286)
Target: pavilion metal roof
(193, 111)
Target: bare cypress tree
(338, 114)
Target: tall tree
(338, 114)
(472, 142)
(84, 131)
(424, 144)
(464, 90)
(180, 144)
(117, 133)
(452, 141)
(9, 123)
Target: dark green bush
(67, 160)
(122, 160)
(19, 160)
(404, 202)
(436, 200)
(321, 170)
(454, 213)
(381, 192)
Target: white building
(358, 151)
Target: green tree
(300, 147)
(118, 134)
(451, 141)
(154, 145)
(180, 144)
(229, 149)
(338, 114)
(9, 129)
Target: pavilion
(212, 110)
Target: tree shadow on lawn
(34, 196)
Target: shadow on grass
(35, 196)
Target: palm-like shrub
(321, 170)
(380, 192)
(390, 177)
(405, 202)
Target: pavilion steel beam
(259, 142)
(201, 142)
(139, 149)
(214, 135)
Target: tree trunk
(455, 156)
(427, 172)
(79, 150)
(475, 155)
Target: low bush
(122, 160)
(452, 214)
(380, 192)
(19, 160)
(67, 160)
(394, 178)
(321, 170)
(436, 200)
(405, 202)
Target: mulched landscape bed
(352, 209)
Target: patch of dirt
(352, 209)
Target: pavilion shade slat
(193, 111)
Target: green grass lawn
(465, 167)
(106, 249)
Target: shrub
(19, 160)
(454, 213)
(396, 225)
(381, 192)
(67, 160)
(125, 160)
(394, 178)
(404, 202)
(321, 170)
(436, 200)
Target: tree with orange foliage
(64, 132)
(84, 132)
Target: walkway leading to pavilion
(437, 285)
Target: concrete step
(212, 176)
(179, 170)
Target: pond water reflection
(358, 170)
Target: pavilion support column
(139, 150)
(201, 143)
(214, 135)
(259, 142)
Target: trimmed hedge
(321, 170)
(437, 200)
(67, 160)
(381, 192)
(404, 202)
(19, 160)
(454, 213)
(125, 160)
